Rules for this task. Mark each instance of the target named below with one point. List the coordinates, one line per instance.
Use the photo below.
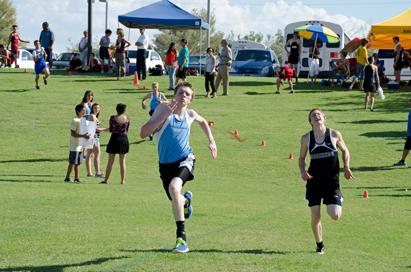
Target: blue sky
(68, 18)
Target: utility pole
(90, 3)
(208, 21)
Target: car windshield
(196, 60)
(253, 55)
(65, 57)
(132, 54)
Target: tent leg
(201, 41)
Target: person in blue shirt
(183, 61)
(40, 66)
(47, 40)
(407, 145)
(156, 98)
(176, 159)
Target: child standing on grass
(407, 145)
(40, 66)
(176, 157)
(283, 73)
(75, 145)
(156, 98)
(371, 83)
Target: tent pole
(201, 41)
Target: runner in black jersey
(293, 49)
(323, 174)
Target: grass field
(249, 207)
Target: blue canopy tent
(163, 15)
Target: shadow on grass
(61, 267)
(368, 122)
(16, 90)
(394, 188)
(29, 175)
(25, 180)
(250, 83)
(392, 195)
(138, 142)
(375, 168)
(385, 134)
(212, 250)
(257, 93)
(34, 160)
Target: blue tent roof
(161, 15)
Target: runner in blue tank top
(156, 98)
(40, 66)
(176, 159)
(323, 174)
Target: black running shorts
(328, 191)
(407, 145)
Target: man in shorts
(75, 144)
(176, 159)
(284, 73)
(323, 174)
(407, 145)
(40, 66)
(14, 40)
(104, 52)
(362, 60)
(183, 58)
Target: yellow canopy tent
(381, 34)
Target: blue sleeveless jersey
(155, 101)
(409, 124)
(174, 139)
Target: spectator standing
(47, 40)
(121, 45)
(142, 46)
(224, 67)
(314, 54)
(371, 82)
(362, 60)
(293, 49)
(118, 143)
(183, 59)
(83, 49)
(104, 52)
(13, 42)
(407, 145)
(210, 73)
(171, 64)
(398, 58)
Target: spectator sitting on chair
(75, 63)
(93, 65)
(5, 59)
(381, 68)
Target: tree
(7, 19)
(276, 43)
(162, 41)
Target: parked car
(154, 63)
(386, 57)
(63, 61)
(195, 62)
(25, 59)
(254, 62)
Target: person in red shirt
(171, 64)
(14, 40)
(284, 72)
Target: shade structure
(352, 45)
(161, 15)
(381, 34)
(317, 32)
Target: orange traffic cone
(236, 134)
(211, 123)
(365, 194)
(135, 79)
(291, 156)
(263, 143)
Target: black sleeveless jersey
(324, 163)
(294, 49)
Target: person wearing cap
(14, 40)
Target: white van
(386, 57)
(242, 44)
(328, 52)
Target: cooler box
(393, 85)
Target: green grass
(250, 213)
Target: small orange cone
(236, 134)
(365, 194)
(291, 156)
(211, 123)
(70, 73)
(144, 87)
(135, 79)
(263, 143)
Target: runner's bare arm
(157, 120)
(345, 154)
(207, 131)
(301, 160)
